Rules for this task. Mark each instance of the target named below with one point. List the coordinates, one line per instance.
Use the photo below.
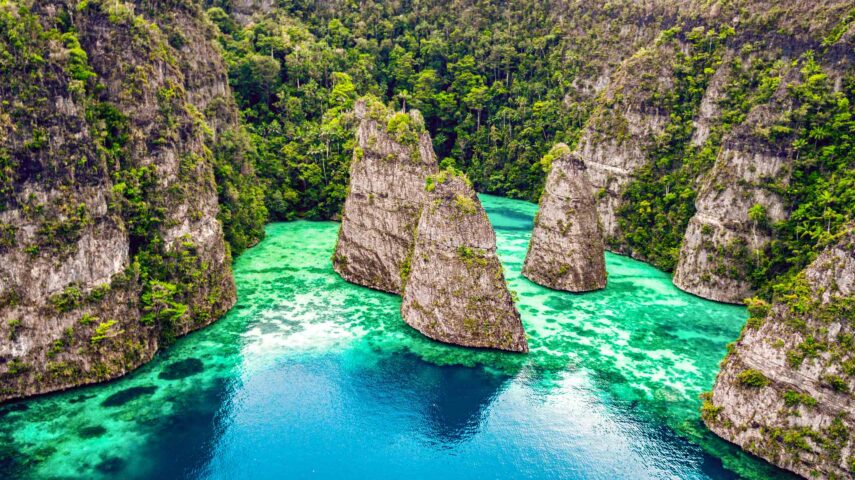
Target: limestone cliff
(393, 157)
(111, 244)
(566, 251)
(785, 391)
(747, 195)
(623, 129)
(697, 127)
(455, 290)
(724, 238)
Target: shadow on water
(451, 401)
(161, 421)
(184, 442)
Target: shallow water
(309, 376)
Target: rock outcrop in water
(566, 251)
(394, 156)
(785, 391)
(404, 224)
(456, 291)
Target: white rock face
(612, 161)
(244, 10)
(721, 238)
(798, 411)
(387, 194)
(566, 251)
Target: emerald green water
(311, 377)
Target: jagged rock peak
(785, 391)
(455, 290)
(566, 251)
(393, 157)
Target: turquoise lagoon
(311, 377)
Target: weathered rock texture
(721, 240)
(643, 106)
(709, 109)
(566, 251)
(622, 130)
(111, 242)
(244, 10)
(785, 391)
(456, 291)
(386, 196)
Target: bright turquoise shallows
(311, 377)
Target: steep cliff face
(455, 288)
(394, 156)
(701, 126)
(111, 242)
(566, 251)
(623, 128)
(748, 204)
(601, 44)
(709, 111)
(785, 391)
(736, 204)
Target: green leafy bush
(752, 378)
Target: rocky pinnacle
(393, 157)
(455, 291)
(566, 251)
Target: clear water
(311, 377)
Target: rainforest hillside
(670, 88)
(145, 143)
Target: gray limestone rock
(721, 239)
(456, 291)
(566, 251)
(386, 196)
(71, 299)
(620, 132)
(785, 391)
